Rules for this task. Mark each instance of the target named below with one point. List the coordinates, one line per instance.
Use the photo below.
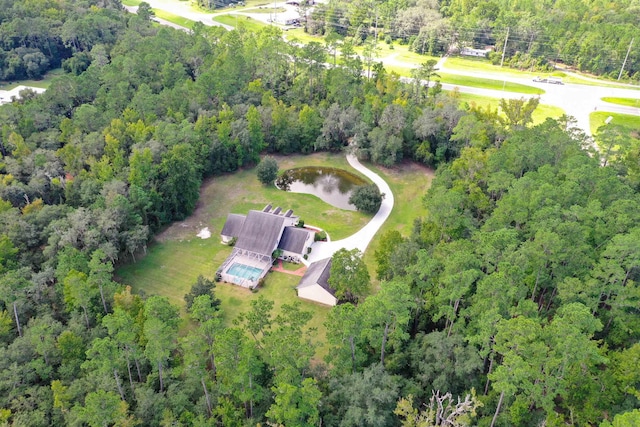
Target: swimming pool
(244, 271)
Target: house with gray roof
(314, 285)
(261, 235)
(232, 227)
(294, 243)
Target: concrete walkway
(361, 239)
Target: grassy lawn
(478, 82)
(170, 268)
(300, 36)
(459, 80)
(629, 102)
(131, 2)
(402, 53)
(279, 288)
(539, 115)
(43, 83)
(289, 266)
(626, 121)
(479, 64)
(409, 182)
(175, 19)
(175, 260)
(240, 21)
(265, 10)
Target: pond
(332, 185)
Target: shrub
(267, 170)
(321, 236)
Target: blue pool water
(244, 271)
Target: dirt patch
(212, 201)
(204, 233)
(405, 167)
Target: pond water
(332, 185)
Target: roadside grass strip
(265, 10)
(628, 122)
(479, 82)
(628, 102)
(481, 64)
(540, 114)
(175, 19)
(237, 21)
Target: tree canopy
(520, 282)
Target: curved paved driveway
(361, 239)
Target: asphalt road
(576, 100)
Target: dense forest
(514, 301)
(590, 35)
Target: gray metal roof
(233, 225)
(318, 273)
(293, 239)
(260, 232)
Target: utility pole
(504, 49)
(376, 31)
(625, 59)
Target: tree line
(589, 35)
(526, 256)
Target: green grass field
(626, 121)
(279, 288)
(175, 260)
(299, 36)
(175, 19)
(237, 21)
(480, 64)
(402, 53)
(265, 10)
(541, 113)
(43, 83)
(629, 102)
(459, 80)
(177, 257)
(409, 182)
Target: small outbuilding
(314, 285)
(481, 53)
